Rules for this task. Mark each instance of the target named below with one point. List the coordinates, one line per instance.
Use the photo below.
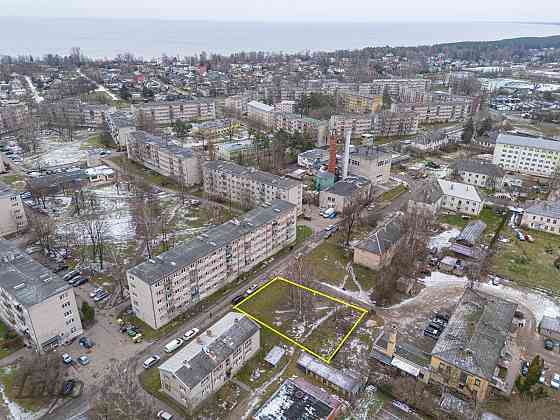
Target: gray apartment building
(166, 286)
(12, 213)
(34, 302)
(163, 113)
(249, 186)
(157, 154)
(371, 162)
(119, 125)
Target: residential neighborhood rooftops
(545, 208)
(201, 356)
(147, 138)
(382, 239)
(459, 190)
(24, 278)
(479, 167)
(471, 233)
(524, 141)
(153, 270)
(260, 106)
(476, 333)
(348, 186)
(344, 381)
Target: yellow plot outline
(291, 340)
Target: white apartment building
(12, 213)
(119, 125)
(238, 103)
(359, 124)
(297, 124)
(527, 155)
(390, 124)
(164, 158)
(480, 173)
(543, 216)
(168, 112)
(393, 86)
(205, 364)
(260, 113)
(436, 112)
(287, 107)
(461, 198)
(371, 162)
(249, 186)
(163, 288)
(34, 302)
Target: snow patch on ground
(362, 296)
(442, 240)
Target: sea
(101, 38)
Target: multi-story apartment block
(356, 103)
(119, 125)
(285, 106)
(75, 113)
(12, 213)
(249, 186)
(344, 193)
(12, 117)
(462, 198)
(167, 159)
(260, 113)
(358, 123)
(480, 173)
(163, 113)
(163, 288)
(297, 124)
(544, 216)
(436, 112)
(37, 304)
(527, 155)
(205, 364)
(371, 162)
(217, 128)
(412, 94)
(393, 86)
(389, 124)
(238, 103)
(238, 151)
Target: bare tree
(44, 229)
(351, 218)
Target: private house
(205, 364)
(479, 173)
(543, 216)
(468, 353)
(427, 198)
(344, 193)
(378, 248)
(461, 198)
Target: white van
(173, 345)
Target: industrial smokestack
(332, 154)
(347, 136)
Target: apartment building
(12, 117)
(297, 124)
(393, 86)
(371, 162)
(167, 159)
(238, 103)
(163, 113)
(356, 103)
(390, 124)
(205, 364)
(165, 287)
(12, 213)
(412, 94)
(287, 107)
(543, 216)
(75, 113)
(436, 112)
(217, 128)
(527, 155)
(249, 186)
(34, 302)
(119, 125)
(462, 198)
(261, 114)
(237, 151)
(480, 173)
(359, 124)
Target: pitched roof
(428, 193)
(479, 167)
(250, 173)
(459, 190)
(382, 239)
(545, 208)
(348, 186)
(476, 333)
(344, 381)
(472, 232)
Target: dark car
(439, 321)
(78, 281)
(436, 326)
(549, 344)
(524, 368)
(70, 275)
(68, 387)
(86, 343)
(237, 299)
(432, 332)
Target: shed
(471, 233)
(275, 355)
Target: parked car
(60, 267)
(524, 368)
(83, 360)
(78, 281)
(548, 344)
(95, 292)
(237, 299)
(195, 203)
(251, 289)
(86, 343)
(190, 334)
(70, 275)
(164, 415)
(151, 361)
(67, 359)
(555, 381)
(101, 296)
(432, 333)
(68, 386)
(173, 345)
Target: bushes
(88, 313)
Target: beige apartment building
(249, 186)
(543, 216)
(371, 162)
(358, 123)
(390, 124)
(205, 364)
(166, 159)
(261, 114)
(393, 86)
(437, 112)
(164, 287)
(34, 302)
(356, 103)
(12, 213)
(163, 113)
(297, 124)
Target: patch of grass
(8, 379)
(97, 141)
(303, 233)
(531, 264)
(394, 193)
(146, 174)
(15, 181)
(487, 215)
(150, 381)
(8, 345)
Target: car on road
(237, 299)
(173, 345)
(524, 368)
(190, 334)
(195, 203)
(68, 386)
(83, 360)
(151, 361)
(67, 359)
(164, 415)
(548, 344)
(251, 289)
(555, 381)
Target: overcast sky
(291, 10)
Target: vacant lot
(531, 264)
(304, 316)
